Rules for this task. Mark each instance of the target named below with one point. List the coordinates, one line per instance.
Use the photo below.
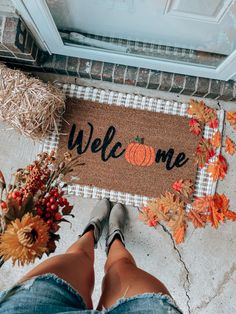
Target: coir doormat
(133, 147)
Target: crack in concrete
(220, 289)
(186, 285)
(219, 105)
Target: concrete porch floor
(200, 274)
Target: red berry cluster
(52, 208)
(37, 178)
(3, 205)
(16, 195)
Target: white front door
(206, 25)
(178, 28)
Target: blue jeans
(49, 294)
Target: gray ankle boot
(98, 218)
(116, 225)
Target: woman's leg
(124, 279)
(74, 266)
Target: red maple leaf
(194, 126)
(184, 187)
(204, 152)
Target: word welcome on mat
(127, 150)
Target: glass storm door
(183, 36)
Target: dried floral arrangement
(169, 209)
(33, 207)
(29, 105)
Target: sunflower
(24, 240)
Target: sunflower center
(27, 236)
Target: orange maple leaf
(197, 219)
(179, 234)
(216, 139)
(230, 215)
(148, 217)
(184, 187)
(214, 207)
(215, 215)
(201, 204)
(229, 146)
(218, 168)
(231, 117)
(221, 201)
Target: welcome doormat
(133, 147)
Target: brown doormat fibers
(127, 150)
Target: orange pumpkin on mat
(139, 154)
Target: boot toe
(117, 220)
(98, 218)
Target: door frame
(40, 21)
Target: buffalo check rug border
(203, 185)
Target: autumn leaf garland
(206, 149)
(212, 209)
(218, 168)
(203, 115)
(169, 208)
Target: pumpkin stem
(139, 140)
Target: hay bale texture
(28, 104)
